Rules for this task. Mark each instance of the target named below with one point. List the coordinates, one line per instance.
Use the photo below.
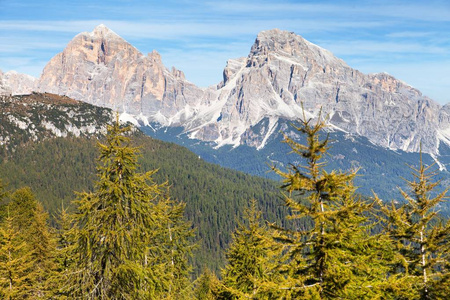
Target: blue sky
(408, 39)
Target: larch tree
(30, 221)
(63, 253)
(118, 226)
(251, 271)
(15, 262)
(332, 257)
(173, 247)
(421, 239)
(207, 286)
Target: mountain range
(284, 78)
(282, 75)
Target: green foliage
(126, 236)
(207, 286)
(27, 248)
(125, 233)
(64, 258)
(420, 239)
(330, 258)
(15, 262)
(213, 195)
(253, 256)
(30, 221)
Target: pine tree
(421, 239)
(251, 271)
(129, 236)
(332, 257)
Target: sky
(407, 39)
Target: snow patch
(441, 165)
(271, 128)
(125, 118)
(443, 135)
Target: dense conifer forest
(138, 227)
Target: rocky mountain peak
(103, 31)
(283, 77)
(275, 43)
(101, 68)
(284, 74)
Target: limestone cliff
(103, 69)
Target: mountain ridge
(283, 77)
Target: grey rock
(103, 69)
(284, 73)
(14, 83)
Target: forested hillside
(55, 167)
(215, 197)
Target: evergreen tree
(123, 228)
(420, 238)
(30, 221)
(333, 256)
(207, 286)
(251, 271)
(63, 254)
(15, 263)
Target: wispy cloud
(377, 48)
(411, 34)
(199, 36)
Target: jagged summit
(285, 43)
(104, 32)
(101, 68)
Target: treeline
(127, 238)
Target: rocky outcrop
(20, 84)
(103, 69)
(36, 117)
(13, 83)
(5, 90)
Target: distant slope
(36, 117)
(381, 170)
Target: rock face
(103, 69)
(5, 90)
(283, 72)
(283, 77)
(13, 83)
(20, 84)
